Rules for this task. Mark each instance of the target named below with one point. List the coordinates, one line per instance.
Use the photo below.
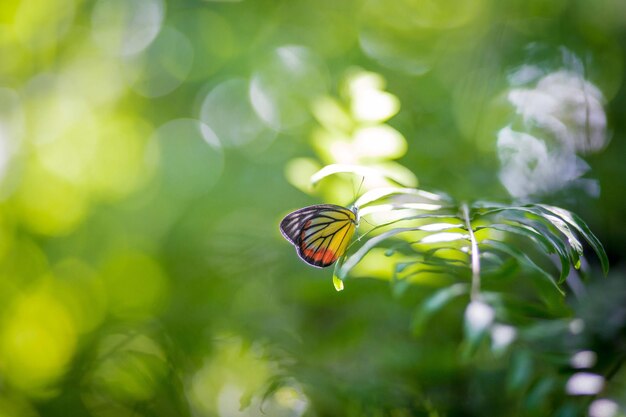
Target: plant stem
(475, 294)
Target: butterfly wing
(320, 233)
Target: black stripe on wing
(293, 223)
(320, 245)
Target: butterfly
(320, 233)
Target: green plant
(516, 271)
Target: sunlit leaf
(443, 237)
(563, 228)
(363, 171)
(331, 114)
(435, 227)
(553, 230)
(379, 141)
(383, 192)
(382, 208)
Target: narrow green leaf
(400, 284)
(577, 223)
(435, 303)
(564, 228)
(538, 394)
(432, 252)
(504, 270)
(548, 296)
(403, 219)
(545, 240)
(522, 230)
(355, 258)
(566, 256)
(553, 229)
(543, 214)
(520, 370)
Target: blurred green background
(149, 149)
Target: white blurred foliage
(566, 116)
(529, 167)
(584, 383)
(568, 107)
(479, 316)
(603, 408)
(502, 336)
(583, 359)
(370, 103)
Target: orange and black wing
(321, 233)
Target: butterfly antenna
(355, 196)
(358, 191)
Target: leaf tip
(338, 283)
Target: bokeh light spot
(217, 387)
(136, 285)
(191, 158)
(120, 166)
(479, 316)
(285, 83)
(399, 51)
(82, 292)
(48, 204)
(299, 171)
(227, 110)
(163, 66)
(37, 340)
(11, 131)
(42, 23)
(126, 27)
(502, 336)
(211, 37)
(583, 359)
(130, 368)
(88, 64)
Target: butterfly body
(320, 233)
